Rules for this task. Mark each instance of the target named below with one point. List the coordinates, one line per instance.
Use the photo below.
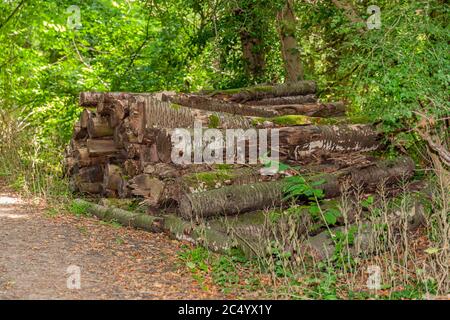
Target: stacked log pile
(122, 146)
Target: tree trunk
(126, 218)
(303, 141)
(217, 105)
(260, 92)
(290, 49)
(309, 98)
(238, 199)
(322, 110)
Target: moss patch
(209, 179)
(214, 121)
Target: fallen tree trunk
(217, 105)
(295, 143)
(238, 199)
(165, 114)
(126, 218)
(302, 141)
(267, 91)
(334, 109)
(309, 98)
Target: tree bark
(323, 110)
(266, 91)
(309, 98)
(290, 49)
(303, 141)
(125, 218)
(238, 199)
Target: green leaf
(330, 218)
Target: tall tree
(254, 46)
(290, 50)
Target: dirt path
(116, 263)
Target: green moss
(175, 106)
(210, 179)
(224, 166)
(214, 121)
(296, 120)
(259, 88)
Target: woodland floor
(36, 249)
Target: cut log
(132, 167)
(297, 143)
(209, 180)
(163, 114)
(90, 174)
(119, 112)
(309, 98)
(148, 187)
(324, 110)
(217, 105)
(90, 99)
(237, 199)
(112, 179)
(98, 127)
(136, 120)
(126, 218)
(84, 118)
(266, 91)
(368, 237)
(303, 141)
(79, 133)
(101, 147)
(90, 187)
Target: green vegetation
(396, 77)
(78, 209)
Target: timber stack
(123, 147)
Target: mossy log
(193, 182)
(267, 91)
(242, 198)
(367, 237)
(125, 218)
(309, 98)
(211, 238)
(324, 110)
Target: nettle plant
(298, 189)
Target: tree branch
(12, 14)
